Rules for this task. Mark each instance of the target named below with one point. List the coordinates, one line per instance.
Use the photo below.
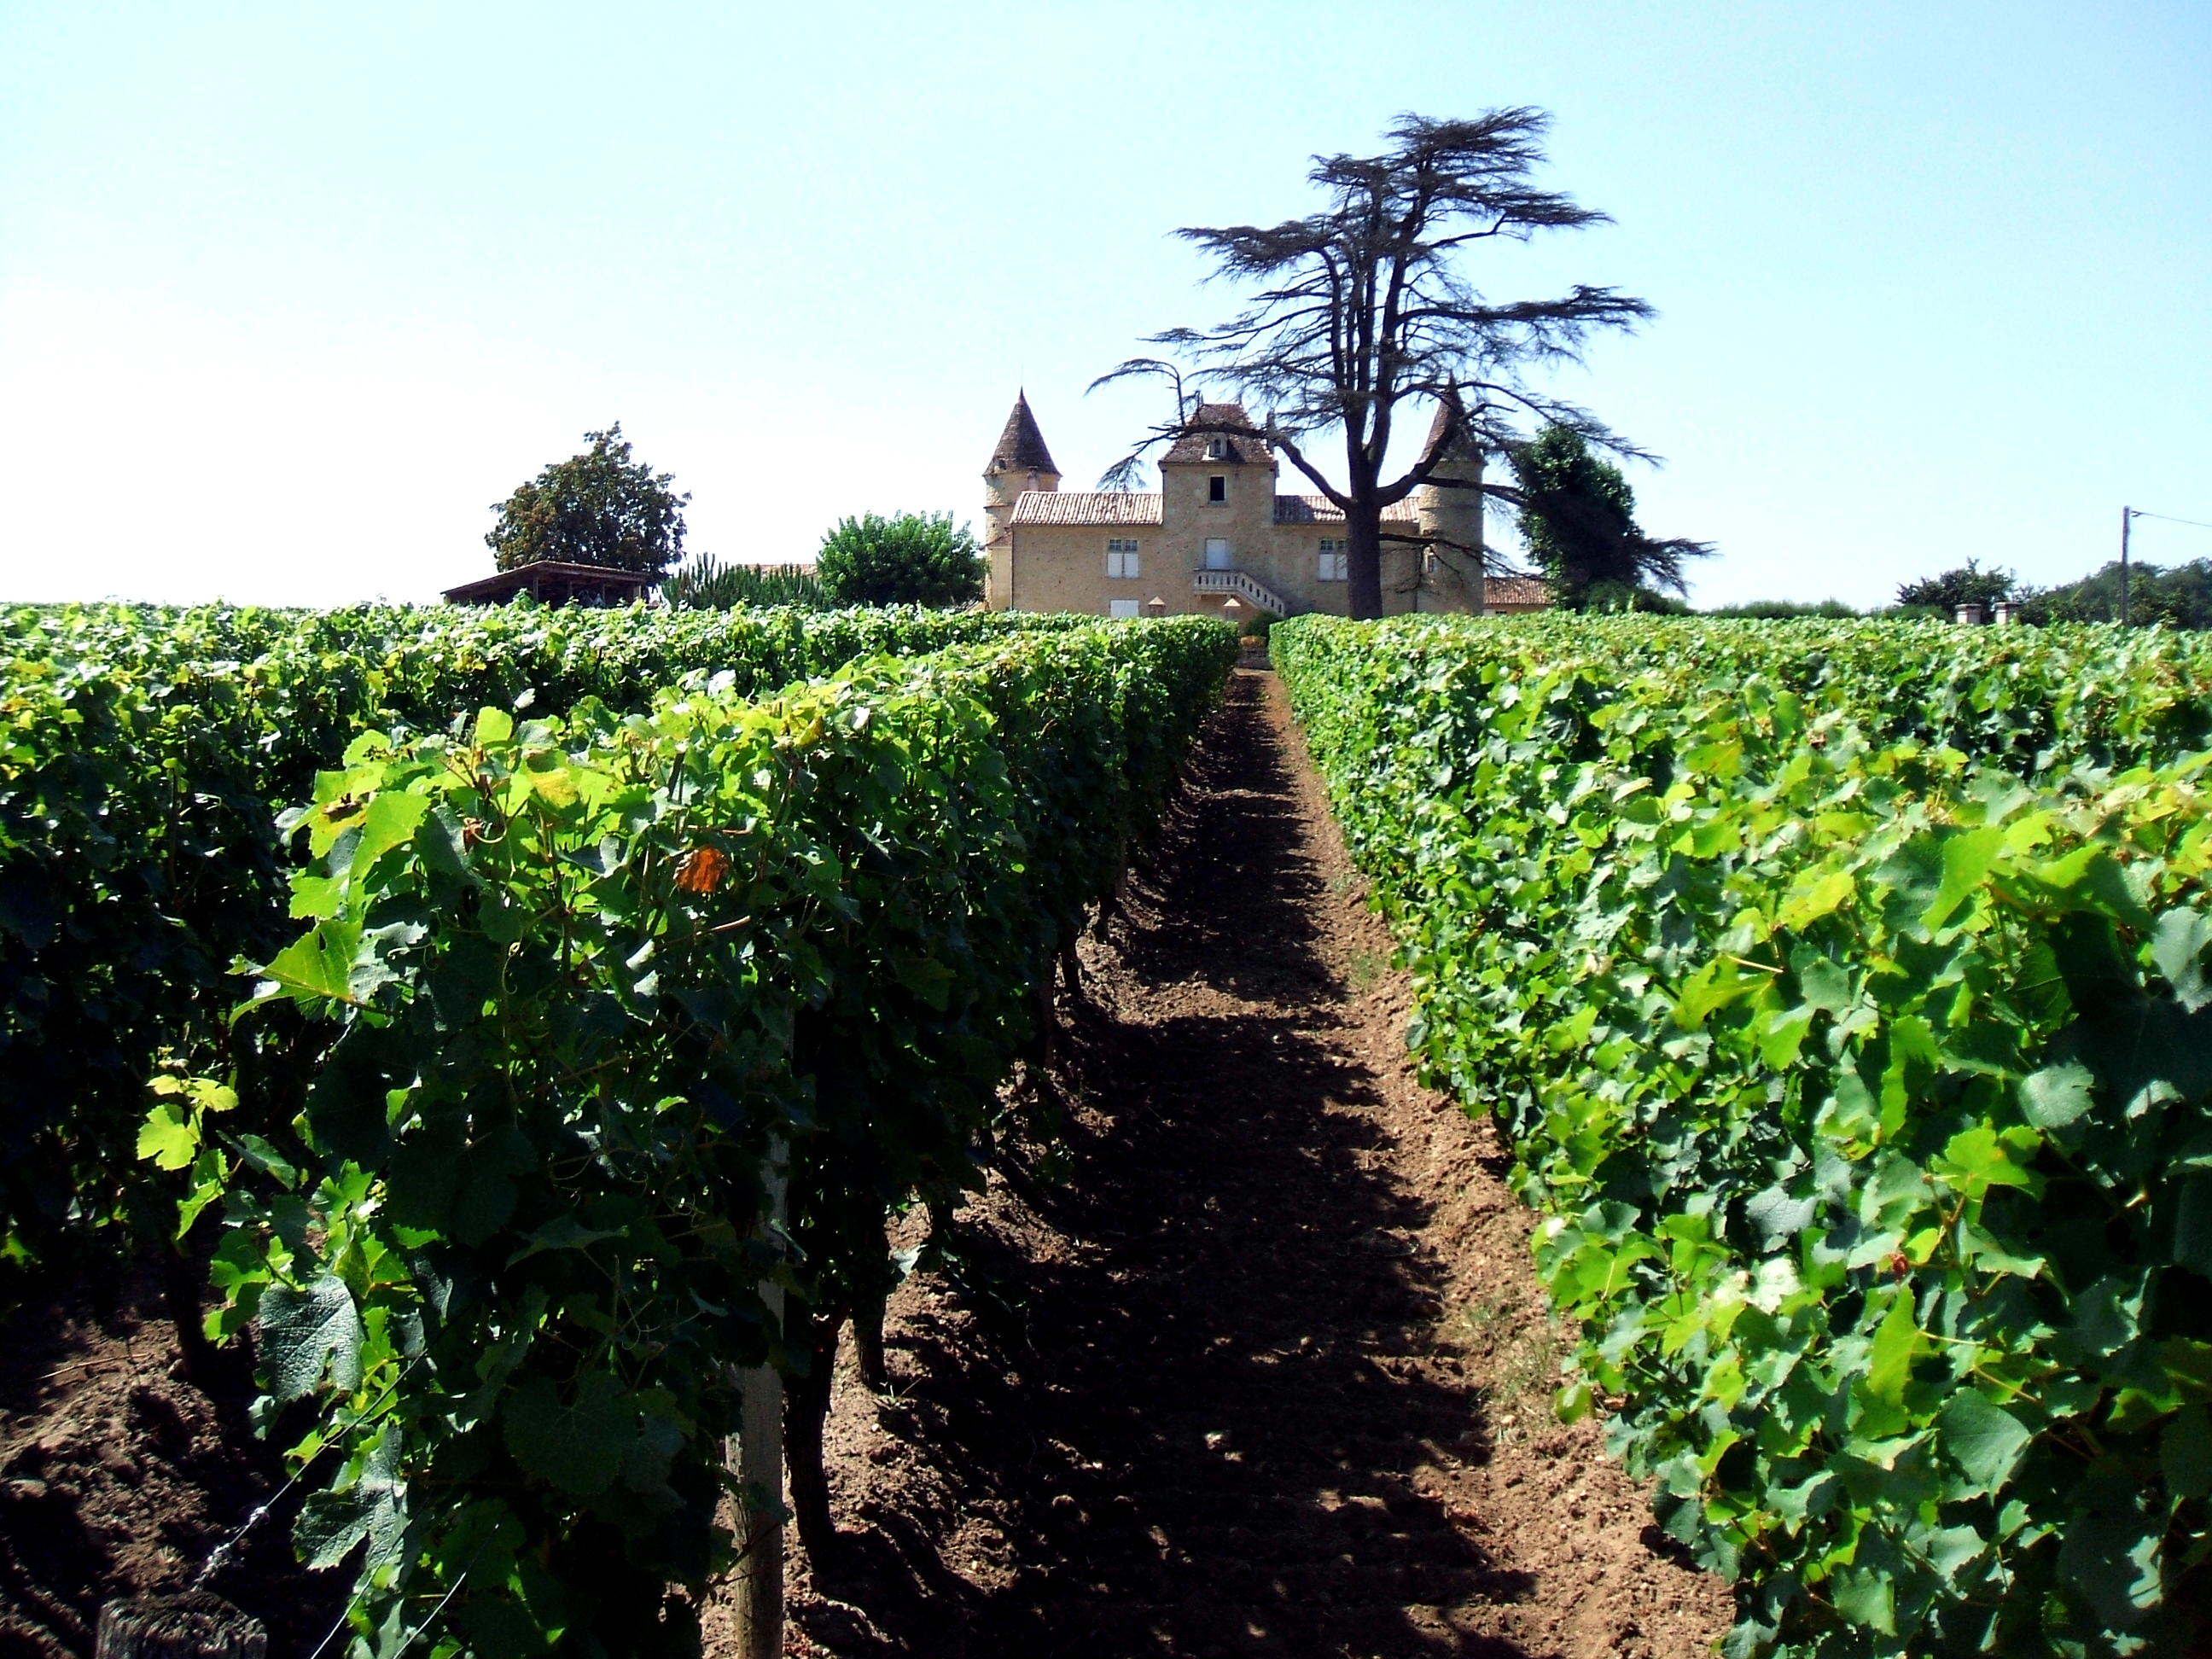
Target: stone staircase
(1245, 587)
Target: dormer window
(1217, 487)
(1217, 449)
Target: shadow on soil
(1201, 1426)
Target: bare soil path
(1269, 1371)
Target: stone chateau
(1217, 537)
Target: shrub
(912, 559)
(706, 584)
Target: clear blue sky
(290, 295)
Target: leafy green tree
(597, 508)
(914, 559)
(1578, 519)
(2179, 596)
(1968, 585)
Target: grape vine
(1843, 990)
(567, 984)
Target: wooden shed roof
(551, 581)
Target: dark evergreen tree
(1363, 309)
(1578, 518)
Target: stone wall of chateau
(1001, 490)
(1246, 520)
(1063, 568)
(1451, 514)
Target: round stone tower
(1019, 463)
(1451, 521)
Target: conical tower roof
(1021, 447)
(1437, 430)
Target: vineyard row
(1843, 990)
(583, 1055)
(144, 755)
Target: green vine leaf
(1920, 1198)
(1984, 1439)
(304, 1334)
(578, 1444)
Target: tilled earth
(118, 1479)
(1268, 1371)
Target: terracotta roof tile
(1319, 509)
(1526, 591)
(1246, 446)
(1086, 506)
(1436, 431)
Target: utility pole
(2127, 519)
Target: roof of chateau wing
(1501, 591)
(1086, 506)
(1113, 506)
(1319, 509)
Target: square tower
(1217, 495)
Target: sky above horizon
(289, 296)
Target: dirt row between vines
(1268, 1370)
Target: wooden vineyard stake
(194, 1626)
(759, 1455)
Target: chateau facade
(1217, 537)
